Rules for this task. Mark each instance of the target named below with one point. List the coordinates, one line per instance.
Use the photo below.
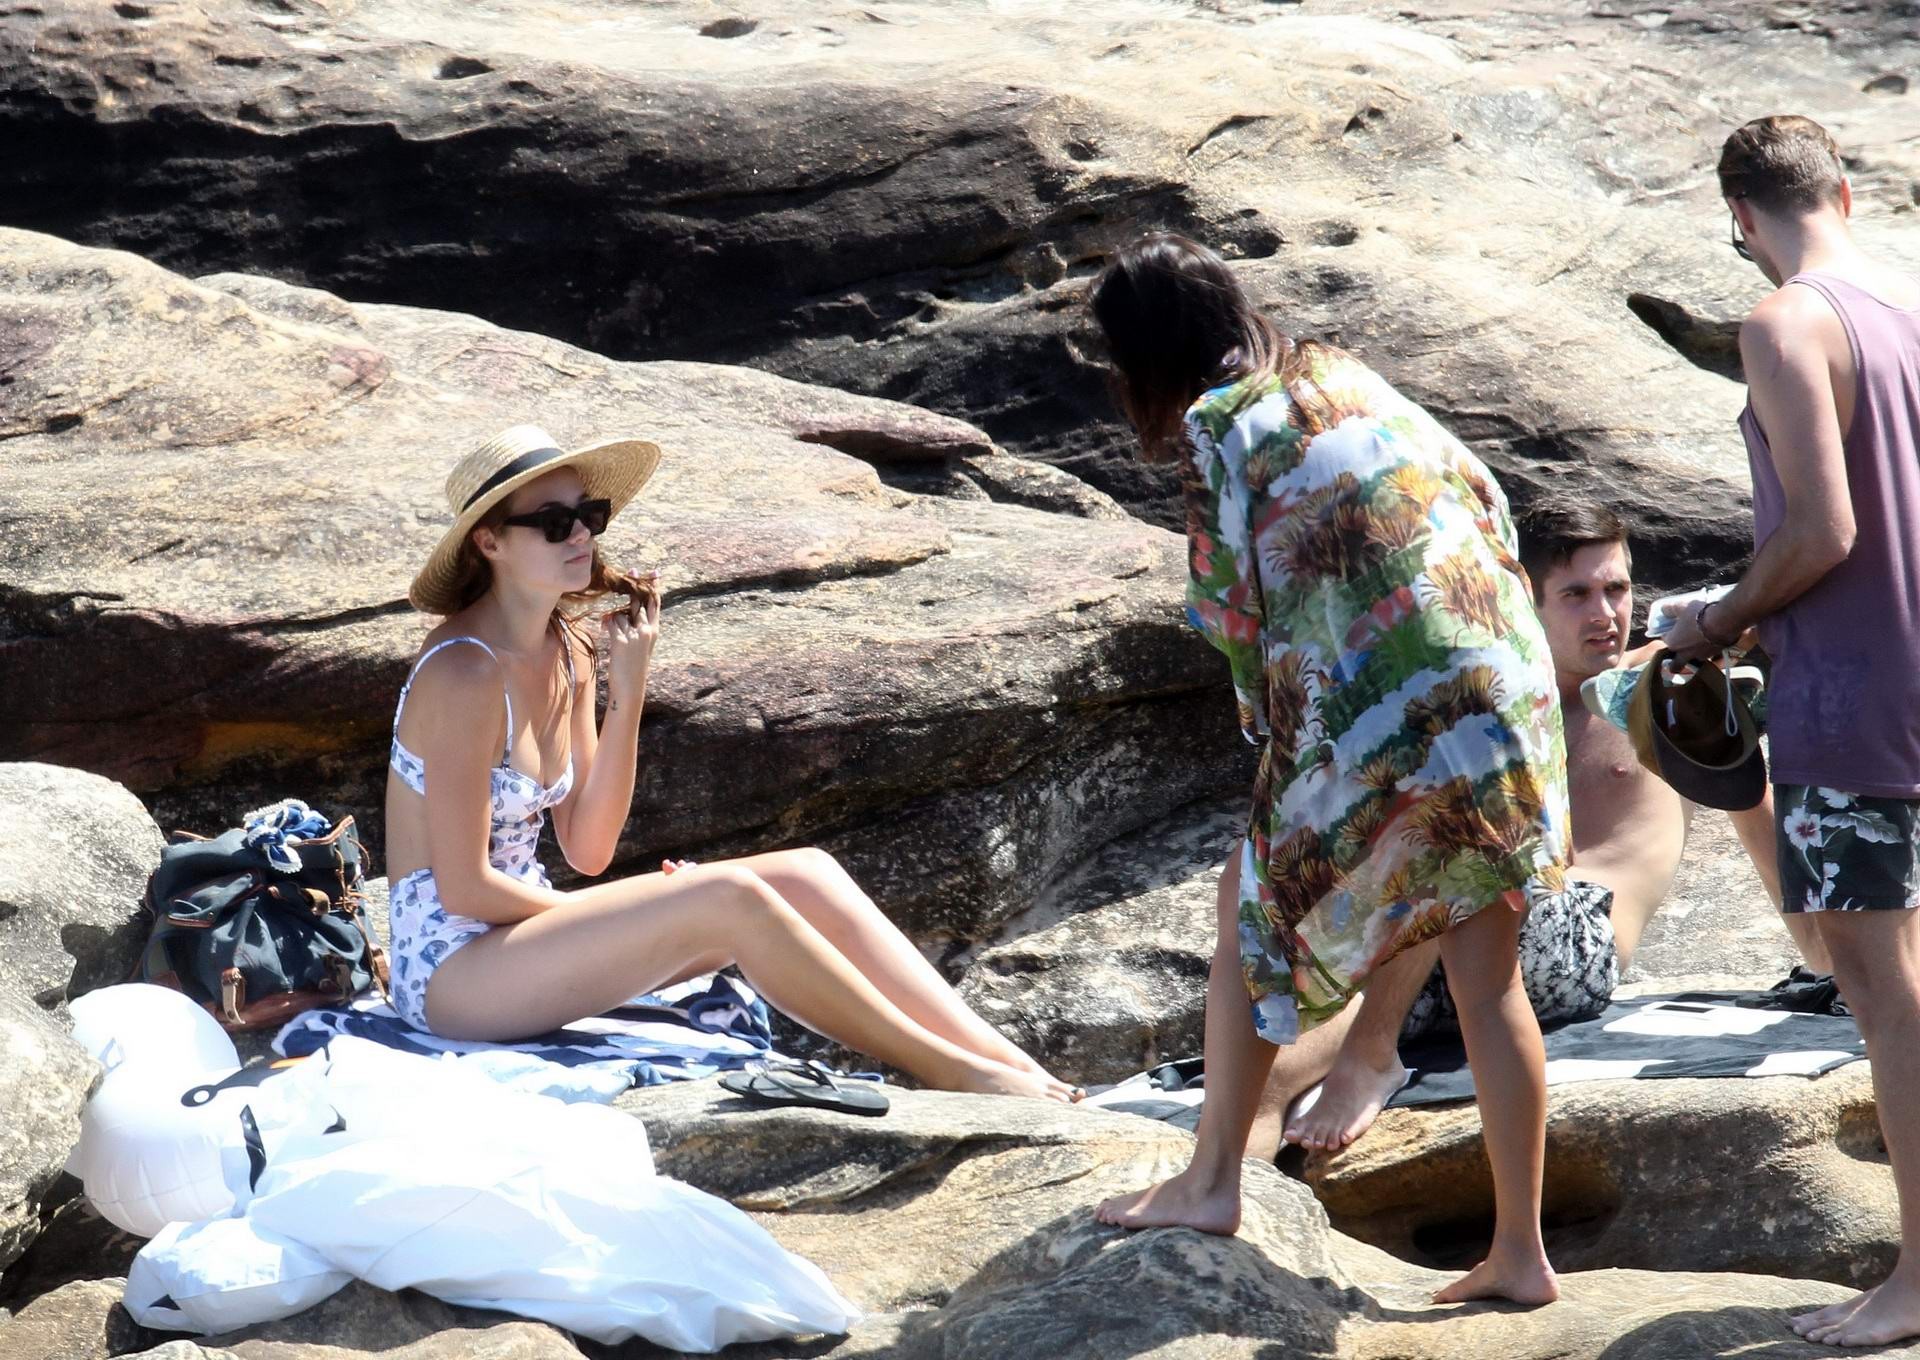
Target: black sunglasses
(556, 520)
(1738, 242)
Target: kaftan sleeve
(1223, 587)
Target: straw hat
(505, 463)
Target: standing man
(1832, 427)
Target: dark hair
(474, 578)
(1177, 322)
(1553, 530)
(1784, 163)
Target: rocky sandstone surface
(964, 688)
(962, 1224)
(937, 637)
(75, 851)
(1508, 208)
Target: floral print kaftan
(1358, 567)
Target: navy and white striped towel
(681, 1033)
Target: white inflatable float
(151, 1153)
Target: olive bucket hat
(615, 470)
(1696, 731)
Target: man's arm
(1759, 838)
(1785, 346)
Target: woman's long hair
(574, 612)
(1177, 322)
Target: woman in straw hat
(500, 733)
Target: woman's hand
(630, 635)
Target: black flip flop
(809, 1084)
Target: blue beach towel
(681, 1033)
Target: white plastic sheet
(443, 1181)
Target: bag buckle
(233, 991)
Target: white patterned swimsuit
(425, 934)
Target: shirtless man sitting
(1629, 829)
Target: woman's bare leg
(823, 892)
(615, 940)
(1509, 1065)
(1207, 1194)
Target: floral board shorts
(1567, 962)
(1846, 851)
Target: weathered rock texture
(1717, 927)
(79, 1321)
(1509, 208)
(962, 692)
(45, 1078)
(363, 1321)
(1106, 974)
(963, 1223)
(75, 852)
(1773, 1175)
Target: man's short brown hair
(1784, 163)
(1554, 528)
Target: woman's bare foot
(1189, 1200)
(987, 1077)
(1349, 1100)
(1887, 1314)
(1521, 1277)
(1023, 1062)
(1831, 1314)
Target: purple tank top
(1845, 707)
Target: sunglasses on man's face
(1737, 241)
(556, 520)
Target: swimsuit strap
(414, 674)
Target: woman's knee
(738, 893)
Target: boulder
(363, 1321)
(83, 1320)
(45, 1079)
(75, 852)
(962, 694)
(75, 1245)
(1509, 209)
(1106, 974)
(1640, 1174)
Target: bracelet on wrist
(1700, 622)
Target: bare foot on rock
(1519, 1280)
(987, 1077)
(1887, 1314)
(1831, 1314)
(1346, 1103)
(1185, 1201)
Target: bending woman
(495, 731)
(1357, 566)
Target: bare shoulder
(457, 675)
(1775, 334)
(1786, 310)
